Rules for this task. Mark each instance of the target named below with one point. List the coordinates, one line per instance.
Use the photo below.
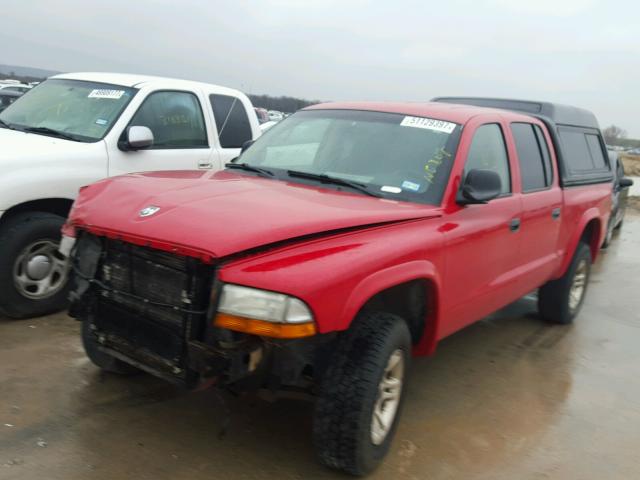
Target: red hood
(204, 214)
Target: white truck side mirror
(138, 138)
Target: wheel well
(591, 236)
(413, 301)
(57, 206)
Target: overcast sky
(581, 52)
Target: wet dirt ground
(507, 398)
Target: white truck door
(183, 138)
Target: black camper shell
(580, 148)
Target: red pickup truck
(347, 239)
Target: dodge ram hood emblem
(148, 211)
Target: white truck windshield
(74, 109)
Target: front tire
(33, 275)
(361, 393)
(560, 300)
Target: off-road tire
(103, 360)
(349, 390)
(15, 235)
(553, 297)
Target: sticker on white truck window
(428, 124)
(101, 121)
(112, 94)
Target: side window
(231, 118)
(532, 167)
(175, 118)
(546, 156)
(596, 151)
(488, 152)
(582, 150)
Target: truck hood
(18, 146)
(215, 215)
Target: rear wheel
(33, 274)
(560, 300)
(361, 393)
(103, 360)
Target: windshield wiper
(50, 131)
(324, 178)
(6, 125)
(250, 168)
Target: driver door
(180, 136)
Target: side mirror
(246, 145)
(625, 182)
(137, 138)
(479, 186)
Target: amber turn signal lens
(265, 329)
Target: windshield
(83, 111)
(391, 155)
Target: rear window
(232, 120)
(595, 149)
(582, 151)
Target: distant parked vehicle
(12, 87)
(267, 125)
(7, 97)
(634, 151)
(619, 196)
(262, 114)
(74, 129)
(275, 116)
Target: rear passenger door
(233, 125)
(541, 203)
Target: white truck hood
(15, 145)
(35, 167)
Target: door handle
(204, 164)
(555, 213)
(514, 225)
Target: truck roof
(138, 81)
(441, 111)
(558, 119)
(558, 113)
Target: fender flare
(396, 275)
(588, 216)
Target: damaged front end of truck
(168, 315)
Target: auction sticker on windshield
(428, 124)
(113, 94)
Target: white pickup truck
(74, 129)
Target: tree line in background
(21, 78)
(617, 136)
(282, 104)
